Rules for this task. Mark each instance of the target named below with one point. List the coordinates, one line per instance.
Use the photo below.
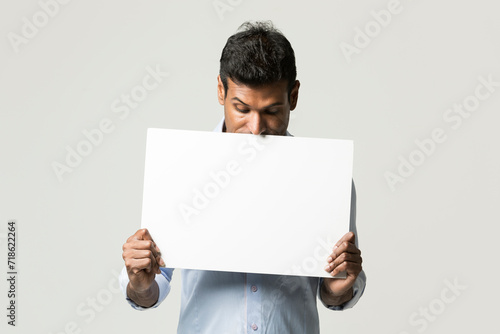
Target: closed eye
(272, 111)
(242, 110)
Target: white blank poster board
(246, 203)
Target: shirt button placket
(254, 309)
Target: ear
(220, 91)
(294, 95)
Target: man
(258, 88)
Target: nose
(256, 123)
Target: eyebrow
(269, 106)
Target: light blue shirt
(218, 302)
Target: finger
(136, 265)
(349, 237)
(153, 255)
(138, 235)
(148, 245)
(161, 262)
(145, 245)
(146, 235)
(345, 247)
(142, 245)
(349, 257)
(142, 240)
(142, 234)
(139, 254)
(135, 254)
(351, 269)
(344, 257)
(159, 256)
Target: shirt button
(254, 288)
(254, 327)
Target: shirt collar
(219, 126)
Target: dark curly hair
(256, 55)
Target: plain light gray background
(439, 225)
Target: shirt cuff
(358, 288)
(162, 279)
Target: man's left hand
(346, 257)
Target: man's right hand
(143, 260)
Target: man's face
(257, 110)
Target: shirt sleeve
(358, 289)
(162, 279)
(360, 283)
